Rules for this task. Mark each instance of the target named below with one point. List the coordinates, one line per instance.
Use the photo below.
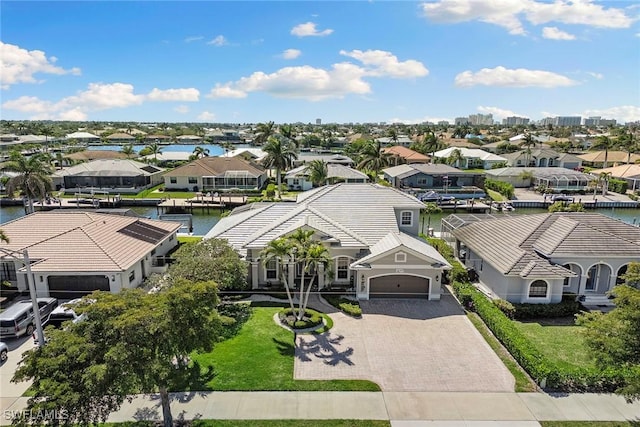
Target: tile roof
(622, 171)
(95, 155)
(84, 241)
(216, 166)
(406, 153)
(395, 240)
(333, 171)
(612, 156)
(109, 167)
(470, 152)
(520, 245)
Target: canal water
(203, 222)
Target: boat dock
(205, 203)
(467, 206)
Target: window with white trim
(173, 180)
(538, 289)
(271, 269)
(342, 268)
(406, 218)
(401, 257)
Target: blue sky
(247, 62)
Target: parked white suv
(61, 314)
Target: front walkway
(404, 345)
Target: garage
(76, 286)
(399, 286)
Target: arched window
(621, 272)
(538, 289)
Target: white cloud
(509, 13)
(100, 96)
(183, 95)
(520, 77)
(554, 33)
(182, 109)
(28, 104)
(595, 75)
(623, 113)
(19, 65)
(218, 41)
(498, 113)
(300, 82)
(385, 64)
(74, 115)
(291, 53)
(206, 116)
(193, 39)
(309, 29)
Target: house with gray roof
(75, 253)
(298, 178)
(472, 158)
(113, 175)
(538, 258)
(376, 255)
(431, 176)
(554, 178)
(542, 157)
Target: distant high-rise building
(515, 120)
(318, 121)
(462, 121)
(608, 122)
(443, 123)
(568, 121)
(481, 119)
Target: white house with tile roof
(370, 231)
(537, 258)
(74, 253)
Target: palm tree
(316, 255)
(47, 131)
(200, 152)
(627, 141)
(392, 133)
(280, 250)
(318, 172)
(226, 146)
(455, 158)
(155, 149)
(301, 241)
(603, 179)
(287, 132)
(373, 157)
(280, 155)
(128, 151)
(430, 208)
(605, 143)
(528, 141)
(264, 131)
(33, 177)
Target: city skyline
(249, 62)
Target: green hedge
(311, 318)
(352, 308)
(503, 188)
(618, 185)
(458, 272)
(568, 307)
(541, 369)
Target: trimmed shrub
(541, 369)
(503, 188)
(568, 307)
(352, 308)
(506, 307)
(618, 185)
(311, 318)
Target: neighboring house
(216, 173)
(113, 175)
(75, 253)
(9, 139)
(555, 179)
(537, 158)
(83, 137)
(159, 139)
(338, 159)
(472, 158)
(537, 258)
(169, 156)
(402, 140)
(428, 176)
(248, 154)
(369, 230)
(89, 155)
(298, 178)
(630, 173)
(189, 139)
(121, 138)
(569, 161)
(406, 155)
(614, 158)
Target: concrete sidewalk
(404, 409)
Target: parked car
(561, 198)
(19, 319)
(4, 352)
(61, 314)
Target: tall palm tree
(33, 177)
(200, 152)
(280, 250)
(603, 179)
(264, 131)
(455, 158)
(528, 141)
(316, 254)
(318, 172)
(373, 157)
(128, 151)
(280, 156)
(301, 240)
(287, 131)
(392, 133)
(629, 142)
(47, 131)
(605, 143)
(155, 149)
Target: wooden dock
(205, 203)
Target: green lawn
(523, 382)
(189, 239)
(266, 423)
(562, 344)
(495, 195)
(261, 357)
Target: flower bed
(310, 319)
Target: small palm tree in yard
(128, 151)
(280, 250)
(318, 172)
(33, 177)
(200, 152)
(455, 158)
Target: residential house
(337, 159)
(402, 154)
(216, 173)
(377, 255)
(614, 158)
(89, 155)
(428, 176)
(472, 158)
(402, 140)
(75, 253)
(157, 139)
(121, 138)
(189, 139)
(112, 175)
(538, 258)
(555, 179)
(630, 173)
(249, 154)
(83, 137)
(298, 178)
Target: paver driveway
(404, 345)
